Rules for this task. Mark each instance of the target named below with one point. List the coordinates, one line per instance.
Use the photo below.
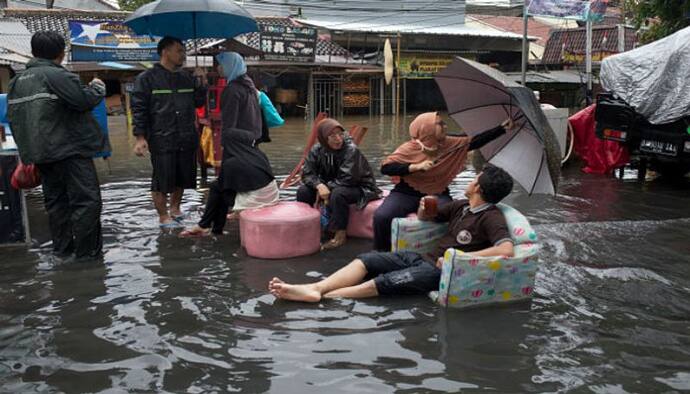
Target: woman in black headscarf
(336, 173)
(245, 181)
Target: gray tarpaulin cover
(654, 78)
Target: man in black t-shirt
(476, 227)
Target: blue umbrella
(191, 19)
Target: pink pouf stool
(288, 229)
(361, 221)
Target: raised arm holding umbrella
(479, 97)
(164, 97)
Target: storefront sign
(422, 66)
(288, 43)
(102, 41)
(571, 57)
(569, 9)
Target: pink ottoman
(361, 222)
(288, 229)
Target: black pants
(338, 203)
(73, 201)
(173, 170)
(400, 273)
(396, 205)
(217, 206)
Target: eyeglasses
(340, 134)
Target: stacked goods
(356, 100)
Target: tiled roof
(326, 48)
(57, 20)
(604, 39)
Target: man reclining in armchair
(476, 226)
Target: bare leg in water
(344, 283)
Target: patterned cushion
(520, 229)
(414, 235)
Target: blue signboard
(103, 41)
(569, 9)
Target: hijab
(450, 155)
(233, 65)
(324, 129)
(244, 167)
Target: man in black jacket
(49, 110)
(163, 107)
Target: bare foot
(195, 231)
(285, 291)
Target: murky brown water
(610, 314)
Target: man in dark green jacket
(49, 110)
(163, 110)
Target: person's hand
(324, 192)
(508, 124)
(439, 263)
(421, 211)
(98, 85)
(141, 146)
(423, 166)
(200, 75)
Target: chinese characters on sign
(288, 43)
(100, 41)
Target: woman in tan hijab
(424, 165)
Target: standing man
(163, 107)
(49, 110)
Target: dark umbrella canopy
(479, 98)
(189, 19)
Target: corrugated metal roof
(515, 24)
(556, 76)
(450, 25)
(15, 37)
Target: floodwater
(162, 314)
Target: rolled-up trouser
(400, 273)
(217, 206)
(338, 203)
(72, 197)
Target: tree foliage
(658, 18)
(131, 5)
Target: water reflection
(192, 315)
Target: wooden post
(397, 83)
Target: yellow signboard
(570, 57)
(422, 66)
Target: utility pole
(49, 4)
(525, 44)
(397, 87)
(588, 57)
